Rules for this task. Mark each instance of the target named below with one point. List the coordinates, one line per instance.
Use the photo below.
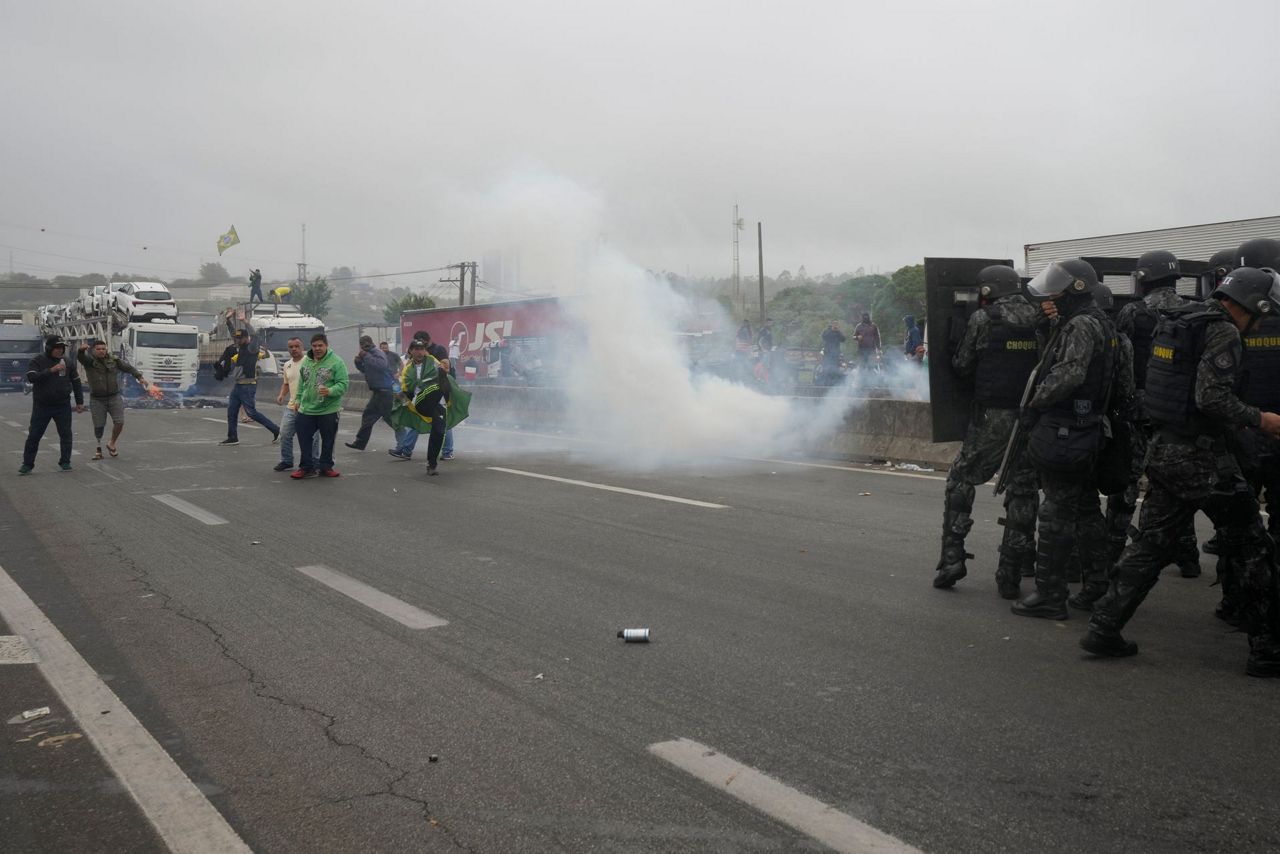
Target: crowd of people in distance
(413, 395)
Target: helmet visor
(1050, 281)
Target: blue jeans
(289, 426)
(244, 394)
(448, 443)
(406, 441)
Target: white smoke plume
(629, 383)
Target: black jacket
(244, 356)
(50, 389)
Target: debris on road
(433, 758)
(32, 714)
(910, 467)
(634, 635)
(864, 493)
(538, 678)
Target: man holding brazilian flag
(430, 401)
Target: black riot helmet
(1154, 268)
(997, 281)
(1222, 262)
(1073, 277)
(1259, 252)
(1256, 291)
(1103, 297)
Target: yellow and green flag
(228, 240)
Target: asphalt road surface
(389, 662)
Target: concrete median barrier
(875, 429)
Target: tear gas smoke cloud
(629, 382)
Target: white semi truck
(167, 353)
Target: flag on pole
(228, 240)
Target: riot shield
(951, 295)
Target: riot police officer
(1154, 280)
(1191, 400)
(1258, 454)
(999, 349)
(1123, 412)
(1064, 423)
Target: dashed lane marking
(197, 513)
(389, 606)
(808, 815)
(659, 496)
(181, 815)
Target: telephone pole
(302, 265)
(760, 244)
(737, 273)
(463, 268)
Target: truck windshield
(35, 345)
(277, 340)
(168, 340)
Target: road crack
(395, 774)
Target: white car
(94, 303)
(142, 301)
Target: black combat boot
(1107, 644)
(1039, 605)
(1090, 593)
(951, 566)
(1009, 572)
(1212, 546)
(1264, 657)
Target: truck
(272, 325)
(20, 342)
(529, 341)
(163, 350)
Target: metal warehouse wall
(1192, 241)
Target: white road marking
(197, 513)
(104, 469)
(858, 469)
(581, 439)
(389, 606)
(609, 488)
(14, 424)
(255, 425)
(808, 815)
(181, 815)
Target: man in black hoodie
(240, 361)
(53, 377)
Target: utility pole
(737, 273)
(302, 265)
(473, 266)
(760, 255)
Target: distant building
(1195, 242)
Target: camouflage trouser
(1182, 479)
(1259, 459)
(1071, 526)
(1121, 506)
(978, 460)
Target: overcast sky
(860, 134)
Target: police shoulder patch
(1224, 361)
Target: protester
(240, 361)
(422, 388)
(324, 381)
(373, 364)
(913, 343)
(255, 286)
(102, 372)
(394, 363)
(52, 378)
(290, 385)
(867, 334)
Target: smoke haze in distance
(628, 380)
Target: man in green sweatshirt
(324, 381)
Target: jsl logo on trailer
(490, 332)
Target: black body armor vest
(1145, 321)
(1170, 399)
(1260, 368)
(1011, 354)
(1089, 398)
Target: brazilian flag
(403, 414)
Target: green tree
(408, 302)
(313, 297)
(214, 273)
(903, 295)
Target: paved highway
(384, 661)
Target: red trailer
(518, 339)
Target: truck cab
(19, 344)
(166, 353)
